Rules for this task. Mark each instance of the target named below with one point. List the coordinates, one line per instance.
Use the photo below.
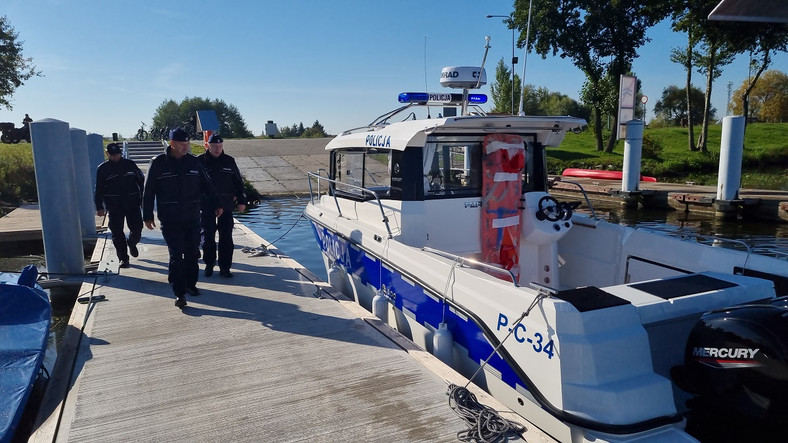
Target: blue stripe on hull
(411, 296)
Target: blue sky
(108, 64)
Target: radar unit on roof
(463, 77)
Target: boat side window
(357, 169)
(452, 168)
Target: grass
(665, 156)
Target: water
(281, 221)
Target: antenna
(525, 58)
(425, 73)
(486, 49)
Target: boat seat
(690, 295)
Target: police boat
(438, 219)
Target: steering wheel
(551, 210)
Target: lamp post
(510, 22)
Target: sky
(108, 64)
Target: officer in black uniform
(178, 182)
(227, 179)
(119, 184)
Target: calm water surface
(281, 221)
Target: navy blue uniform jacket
(226, 178)
(178, 186)
(118, 183)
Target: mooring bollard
(729, 178)
(633, 146)
(82, 173)
(53, 159)
(95, 156)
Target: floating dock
(272, 354)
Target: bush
(17, 175)
(652, 148)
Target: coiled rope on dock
(485, 424)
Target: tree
(14, 68)
(684, 21)
(717, 53)
(298, 130)
(672, 106)
(501, 90)
(767, 100)
(599, 36)
(761, 40)
(171, 113)
(315, 131)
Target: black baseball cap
(215, 138)
(114, 148)
(179, 135)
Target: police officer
(119, 185)
(227, 179)
(177, 182)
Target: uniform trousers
(224, 225)
(130, 214)
(183, 244)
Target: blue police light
(426, 97)
(413, 97)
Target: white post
(731, 149)
(95, 155)
(82, 173)
(53, 160)
(633, 145)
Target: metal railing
(463, 261)
(332, 193)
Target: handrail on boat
(464, 260)
(332, 192)
(585, 195)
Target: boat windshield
(368, 168)
(452, 166)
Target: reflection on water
(281, 221)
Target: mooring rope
(484, 423)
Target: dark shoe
(133, 250)
(124, 263)
(225, 273)
(208, 271)
(180, 302)
(193, 290)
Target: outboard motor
(736, 365)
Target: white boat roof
(549, 130)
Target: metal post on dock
(633, 146)
(95, 155)
(82, 173)
(729, 178)
(53, 160)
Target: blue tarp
(25, 317)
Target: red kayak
(604, 175)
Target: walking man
(227, 179)
(119, 184)
(178, 183)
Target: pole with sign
(627, 93)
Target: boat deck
(269, 355)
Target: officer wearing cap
(227, 179)
(119, 184)
(178, 182)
